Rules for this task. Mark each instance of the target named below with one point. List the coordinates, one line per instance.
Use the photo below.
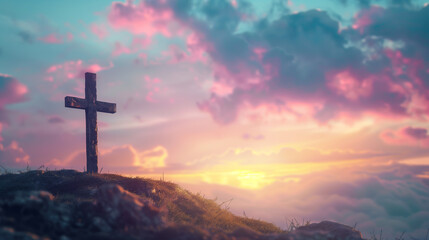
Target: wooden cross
(91, 106)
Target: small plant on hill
(293, 224)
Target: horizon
(314, 110)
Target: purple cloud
(55, 119)
(11, 90)
(417, 133)
(406, 136)
(303, 58)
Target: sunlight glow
(255, 176)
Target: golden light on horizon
(252, 177)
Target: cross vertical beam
(91, 106)
(91, 123)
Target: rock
(101, 225)
(113, 209)
(333, 229)
(35, 209)
(10, 234)
(32, 198)
(122, 209)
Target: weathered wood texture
(91, 123)
(106, 107)
(91, 106)
(74, 102)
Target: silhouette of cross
(91, 106)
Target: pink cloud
(197, 47)
(69, 37)
(55, 38)
(120, 49)
(142, 57)
(74, 69)
(12, 91)
(240, 76)
(99, 30)
(365, 17)
(153, 87)
(52, 39)
(406, 136)
(350, 93)
(140, 42)
(150, 19)
(149, 97)
(62, 77)
(141, 18)
(264, 76)
(192, 54)
(346, 84)
(346, 94)
(415, 89)
(137, 44)
(259, 52)
(405, 65)
(13, 156)
(221, 89)
(261, 70)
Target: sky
(313, 110)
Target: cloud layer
(388, 197)
(304, 58)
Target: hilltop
(67, 204)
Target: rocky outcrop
(121, 209)
(36, 214)
(33, 211)
(333, 229)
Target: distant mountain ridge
(67, 204)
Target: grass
(402, 236)
(183, 206)
(293, 224)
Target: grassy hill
(68, 204)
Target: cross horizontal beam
(105, 107)
(79, 103)
(74, 102)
